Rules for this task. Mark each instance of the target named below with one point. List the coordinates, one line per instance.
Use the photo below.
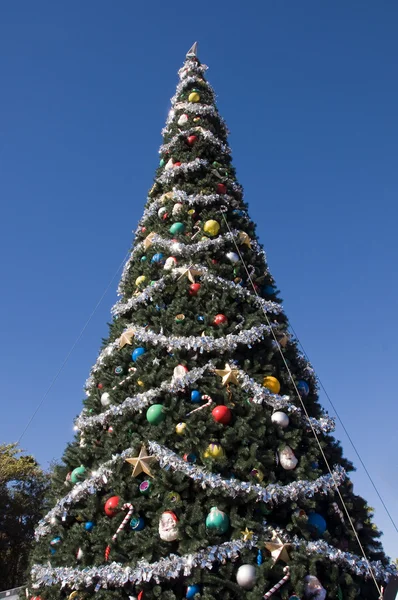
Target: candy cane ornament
(278, 585)
(209, 401)
(129, 507)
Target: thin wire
(71, 351)
(348, 436)
(304, 408)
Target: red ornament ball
(221, 414)
(177, 164)
(191, 140)
(220, 320)
(143, 229)
(111, 506)
(194, 289)
(214, 261)
(100, 386)
(221, 188)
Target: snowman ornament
(168, 529)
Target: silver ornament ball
(280, 418)
(232, 256)
(105, 399)
(246, 576)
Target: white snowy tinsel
(204, 133)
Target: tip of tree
(193, 50)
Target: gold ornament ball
(196, 119)
(180, 428)
(214, 451)
(141, 279)
(140, 382)
(193, 97)
(272, 384)
(211, 227)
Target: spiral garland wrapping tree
(201, 389)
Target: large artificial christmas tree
(203, 465)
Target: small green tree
(23, 487)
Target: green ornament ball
(177, 228)
(78, 474)
(155, 414)
(217, 520)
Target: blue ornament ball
(303, 388)
(52, 550)
(143, 258)
(196, 396)
(89, 526)
(269, 289)
(157, 258)
(316, 523)
(55, 541)
(137, 353)
(137, 524)
(192, 590)
(200, 319)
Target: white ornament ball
(177, 208)
(246, 576)
(182, 119)
(287, 459)
(105, 399)
(179, 372)
(170, 263)
(232, 256)
(162, 211)
(280, 418)
(169, 164)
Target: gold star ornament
(279, 550)
(141, 463)
(190, 272)
(247, 534)
(228, 374)
(126, 338)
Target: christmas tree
(203, 465)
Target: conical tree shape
(195, 469)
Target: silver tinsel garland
(272, 493)
(205, 133)
(170, 174)
(147, 294)
(81, 490)
(196, 109)
(191, 65)
(192, 80)
(140, 401)
(115, 575)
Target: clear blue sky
(310, 93)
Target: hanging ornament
(161, 212)
(155, 414)
(259, 475)
(208, 403)
(192, 590)
(179, 318)
(259, 558)
(278, 585)
(196, 396)
(228, 374)
(129, 507)
(232, 257)
(272, 384)
(79, 554)
(137, 353)
(126, 338)
(183, 119)
(169, 164)
(191, 139)
(214, 451)
(244, 239)
(247, 534)
(118, 370)
(269, 290)
(246, 576)
(111, 506)
(177, 164)
(137, 523)
(88, 526)
(141, 463)
(221, 188)
(170, 263)
(189, 457)
(168, 528)
(78, 474)
(287, 459)
(221, 414)
(280, 418)
(303, 388)
(217, 520)
(278, 549)
(177, 228)
(56, 541)
(145, 487)
(316, 524)
(338, 512)
(180, 428)
(105, 399)
(211, 227)
(313, 588)
(189, 272)
(140, 280)
(177, 208)
(294, 597)
(194, 289)
(193, 97)
(220, 320)
(157, 258)
(179, 372)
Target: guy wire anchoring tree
(203, 465)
